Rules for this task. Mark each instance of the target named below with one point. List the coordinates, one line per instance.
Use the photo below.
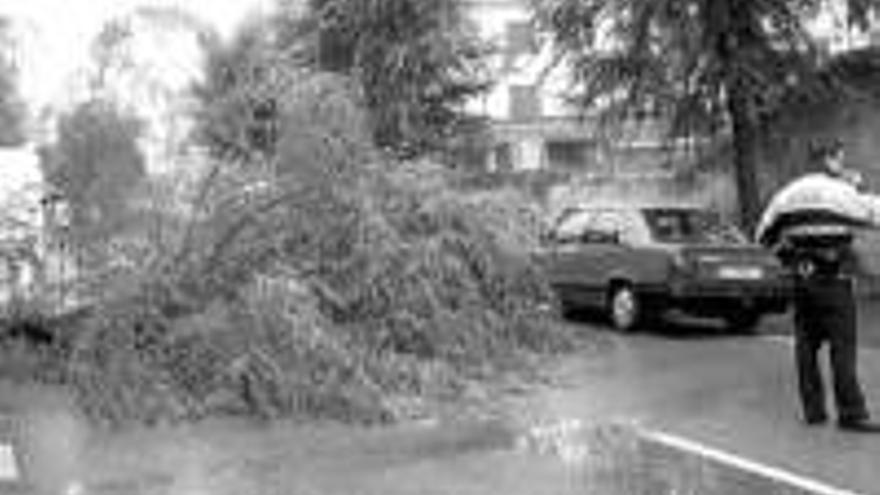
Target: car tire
(625, 308)
(744, 322)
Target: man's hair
(821, 149)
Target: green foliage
(683, 57)
(129, 65)
(331, 285)
(95, 164)
(108, 51)
(413, 64)
(112, 50)
(860, 13)
(416, 63)
(710, 67)
(267, 353)
(327, 306)
(240, 100)
(13, 111)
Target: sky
(57, 33)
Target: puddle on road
(43, 440)
(627, 459)
(560, 457)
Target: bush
(332, 284)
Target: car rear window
(686, 226)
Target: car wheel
(744, 321)
(624, 307)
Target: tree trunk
(745, 157)
(733, 47)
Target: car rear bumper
(716, 297)
(704, 290)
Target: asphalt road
(732, 393)
(869, 322)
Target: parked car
(636, 261)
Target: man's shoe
(859, 425)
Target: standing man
(818, 249)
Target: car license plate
(740, 273)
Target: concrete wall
(851, 114)
(856, 123)
(714, 190)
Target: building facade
(534, 127)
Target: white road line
(743, 464)
(778, 339)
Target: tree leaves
(241, 98)
(416, 62)
(678, 55)
(706, 67)
(95, 163)
(13, 111)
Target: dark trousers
(825, 312)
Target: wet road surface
(732, 393)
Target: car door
(583, 256)
(564, 250)
(608, 252)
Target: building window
(524, 103)
(503, 157)
(570, 154)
